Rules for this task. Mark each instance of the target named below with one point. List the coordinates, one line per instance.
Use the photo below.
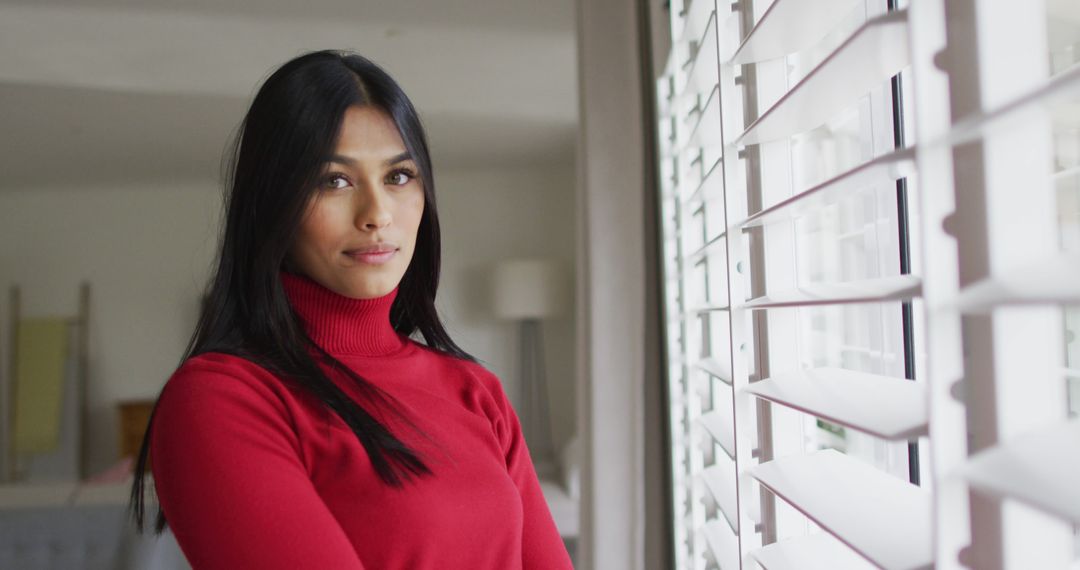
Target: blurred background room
(780, 284)
(114, 117)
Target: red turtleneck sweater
(254, 473)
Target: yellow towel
(41, 357)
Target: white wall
(612, 289)
(491, 215)
(145, 251)
(147, 248)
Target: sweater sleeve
(230, 479)
(542, 546)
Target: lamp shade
(529, 288)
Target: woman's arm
(230, 479)
(542, 546)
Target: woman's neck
(343, 325)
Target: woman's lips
(374, 258)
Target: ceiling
(551, 16)
(125, 90)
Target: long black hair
(270, 173)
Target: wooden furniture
(134, 417)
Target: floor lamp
(527, 291)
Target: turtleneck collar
(343, 325)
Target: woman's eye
(332, 181)
(400, 177)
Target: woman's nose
(373, 210)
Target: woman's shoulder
(471, 369)
(481, 391)
(218, 404)
(217, 364)
(218, 375)
(471, 376)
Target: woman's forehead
(368, 134)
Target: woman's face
(359, 232)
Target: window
(848, 207)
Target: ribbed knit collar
(343, 325)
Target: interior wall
(146, 250)
(496, 214)
(612, 285)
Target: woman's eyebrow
(341, 159)
(399, 158)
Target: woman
(304, 428)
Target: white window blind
(871, 241)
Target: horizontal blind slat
(874, 53)
(813, 552)
(881, 517)
(715, 368)
(720, 429)
(696, 14)
(788, 26)
(706, 308)
(884, 169)
(700, 253)
(702, 74)
(705, 130)
(1064, 86)
(720, 481)
(1053, 280)
(723, 544)
(1040, 469)
(713, 178)
(882, 406)
(895, 288)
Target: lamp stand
(535, 417)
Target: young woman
(304, 428)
